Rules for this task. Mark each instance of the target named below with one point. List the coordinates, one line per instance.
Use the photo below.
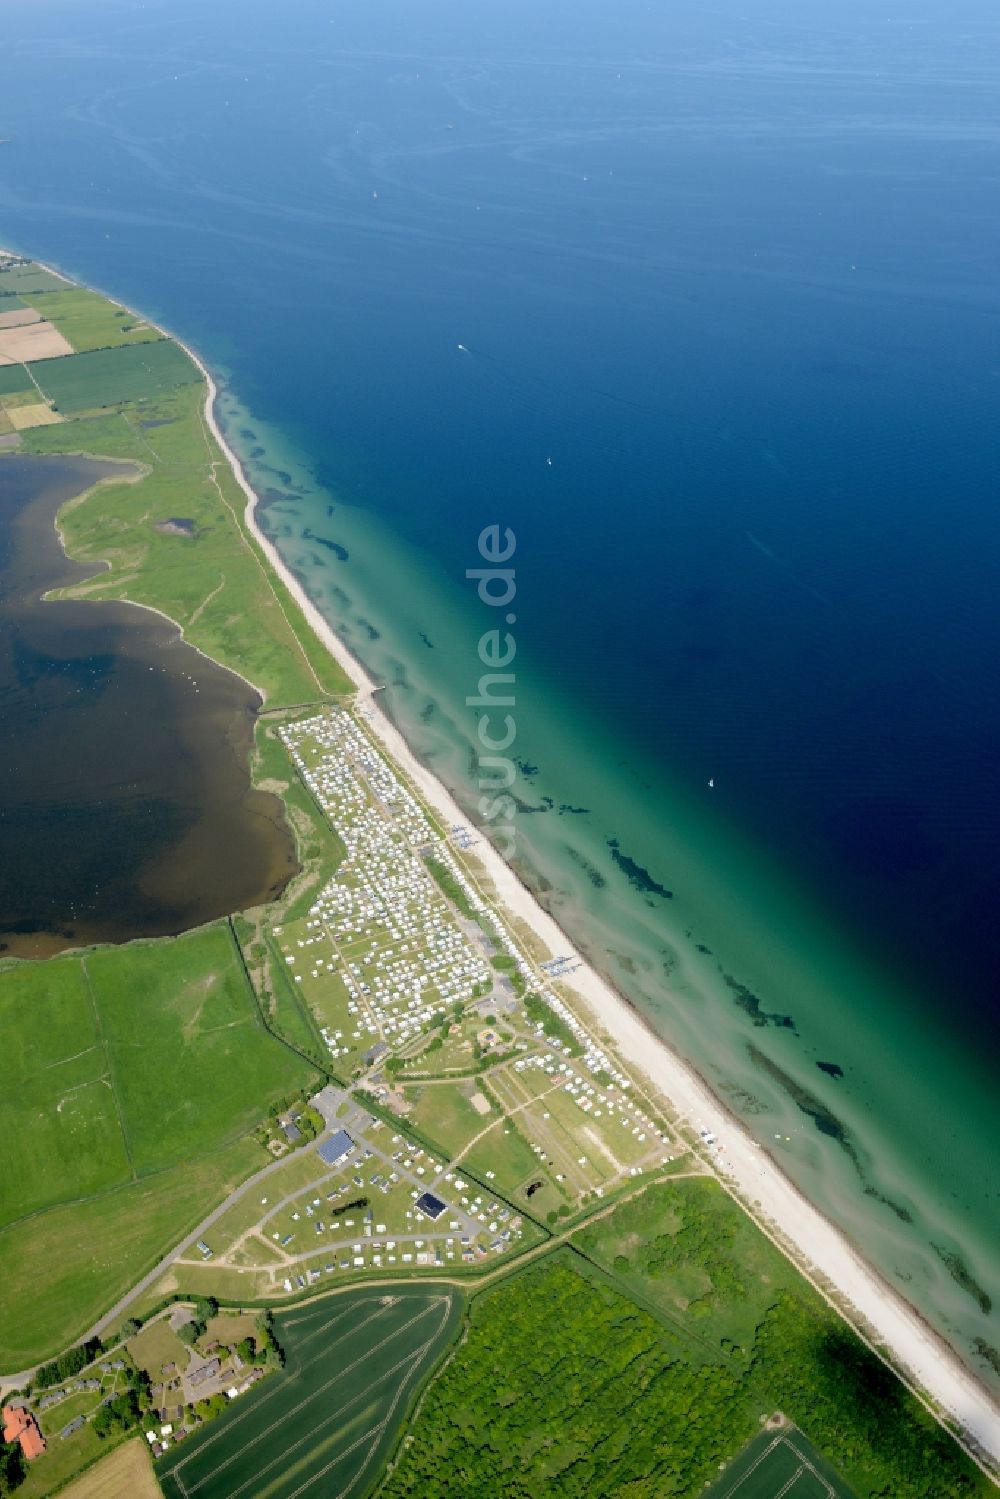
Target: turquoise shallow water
(897, 1149)
(733, 275)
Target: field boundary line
(831, 1492)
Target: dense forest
(544, 1396)
(564, 1386)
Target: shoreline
(748, 1172)
(878, 1313)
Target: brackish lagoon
(126, 808)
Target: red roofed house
(19, 1425)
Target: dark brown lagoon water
(126, 806)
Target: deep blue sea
(701, 300)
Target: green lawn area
(450, 886)
(63, 1268)
(89, 321)
(132, 1077)
(192, 1064)
(506, 1153)
(59, 1416)
(56, 1094)
(324, 1423)
(157, 1345)
(289, 1015)
(442, 1113)
(111, 377)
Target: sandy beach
(880, 1315)
(818, 1248)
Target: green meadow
(192, 1063)
(64, 1268)
(110, 377)
(56, 1092)
(14, 379)
(23, 280)
(89, 321)
(133, 1079)
(686, 1251)
(213, 582)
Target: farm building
(19, 1425)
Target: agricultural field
(13, 379)
(27, 342)
(23, 280)
(132, 1079)
(324, 1424)
(779, 1462)
(111, 377)
(126, 1471)
(88, 321)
